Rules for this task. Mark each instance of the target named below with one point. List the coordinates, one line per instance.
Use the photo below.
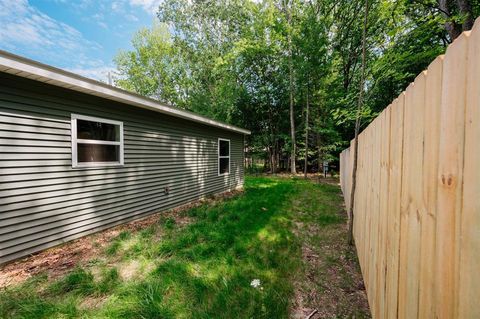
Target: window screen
(96, 141)
(223, 156)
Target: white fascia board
(14, 64)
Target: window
(96, 141)
(223, 156)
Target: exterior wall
(45, 202)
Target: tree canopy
(262, 64)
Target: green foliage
(229, 60)
(154, 69)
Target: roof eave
(19, 66)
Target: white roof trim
(14, 64)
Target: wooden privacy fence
(417, 201)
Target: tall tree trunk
(293, 169)
(292, 125)
(267, 162)
(465, 8)
(452, 28)
(274, 158)
(292, 131)
(319, 162)
(306, 132)
(357, 127)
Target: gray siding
(44, 201)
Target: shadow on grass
(207, 267)
(203, 270)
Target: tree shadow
(205, 269)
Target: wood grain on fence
(417, 201)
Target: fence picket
(417, 202)
(469, 281)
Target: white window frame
(219, 157)
(76, 140)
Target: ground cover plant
(249, 256)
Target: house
(78, 156)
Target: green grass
(201, 270)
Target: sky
(81, 36)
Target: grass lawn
(286, 232)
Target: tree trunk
(267, 162)
(465, 8)
(272, 160)
(319, 163)
(357, 128)
(293, 169)
(278, 160)
(292, 128)
(306, 134)
(452, 28)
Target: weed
(167, 222)
(147, 233)
(113, 248)
(78, 281)
(124, 235)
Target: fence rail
(417, 201)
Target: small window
(96, 141)
(223, 156)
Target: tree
(307, 109)
(357, 126)
(288, 7)
(154, 68)
(458, 16)
(265, 65)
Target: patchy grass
(330, 281)
(205, 268)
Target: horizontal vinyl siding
(44, 201)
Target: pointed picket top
(476, 25)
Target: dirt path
(331, 284)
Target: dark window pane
(89, 130)
(224, 165)
(224, 148)
(98, 153)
